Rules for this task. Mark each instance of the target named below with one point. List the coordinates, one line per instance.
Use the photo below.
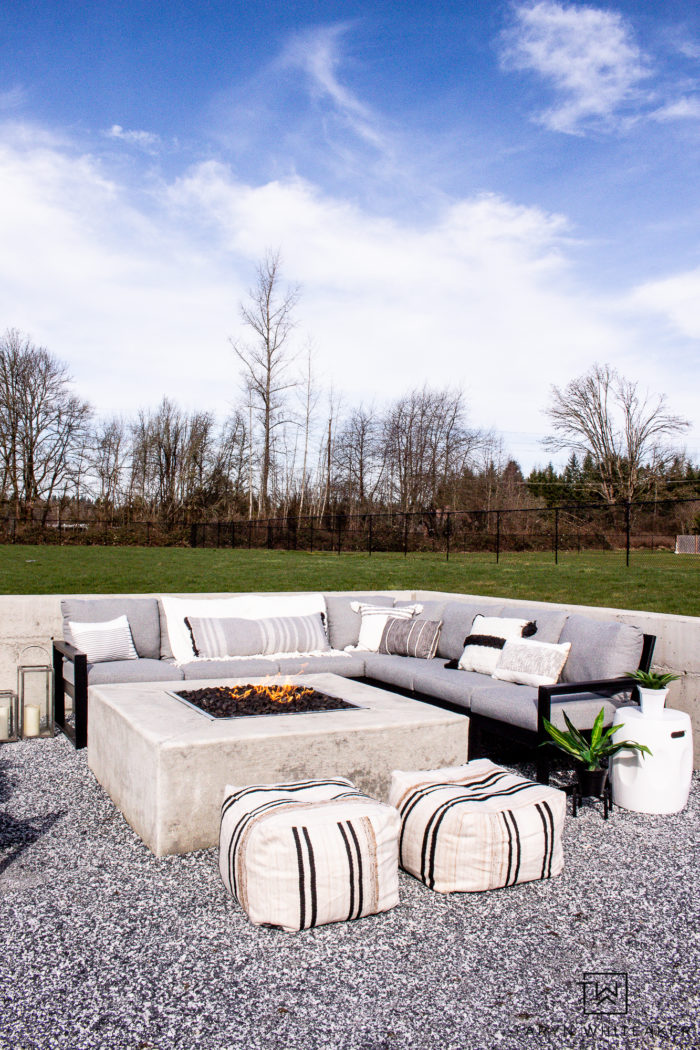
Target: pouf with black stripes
(303, 854)
(477, 827)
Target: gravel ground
(106, 946)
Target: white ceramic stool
(660, 782)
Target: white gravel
(103, 945)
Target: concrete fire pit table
(165, 765)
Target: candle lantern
(9, 716)
(35, 695)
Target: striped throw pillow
(374, 619)
(488, 635)
(413, 637)
(233, 636)
(307, 853)
(109, 640)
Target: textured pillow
(413, 637)
(374, 618)
(527, 662)
(109, 640)
(488, 635)
(234, 636)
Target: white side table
(660, 782)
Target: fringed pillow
(527, 662)
(233, 636)
(488, 635)
(413, 637)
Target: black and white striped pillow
(488, 635)
(109, 640)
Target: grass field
(658, 581)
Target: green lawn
(660, 581)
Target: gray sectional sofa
(601, 654)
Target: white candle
(5, 722)
(31, 720)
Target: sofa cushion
(343, 621)
(600, 649)
(142, 614)
(517, 705)
(373, 621)
(236, 667)
(434, 680)
(393, 670)
(457, 619)
(123, 671)
(430, 610)
(414, 637)
(549, 622)
(527, 662)
(234, 636)
(348, 665)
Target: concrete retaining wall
(35, 619)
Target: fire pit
(236, 701)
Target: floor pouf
(477, 827)
(304, 854)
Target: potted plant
(653, 690)
(590, 754)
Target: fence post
(250, 534)
(628, 521)
(233, 534)
(405, 533)
(193, 534)
(311, 535)
(498, 535)
(447, 538)
(370, 536)
(556, 536)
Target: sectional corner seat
(601, 655)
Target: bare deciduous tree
(266, 361)
(42, 424)
(604, 415)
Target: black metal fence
(628, 527)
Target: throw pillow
(374, 618)
(488, 635)
(402, 637)
(234, 636)
(527, 662)
(109, 640)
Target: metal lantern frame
(13, 726)
(44, 672)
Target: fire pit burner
(235, 701)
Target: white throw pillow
(374, 620)
(487, 636)
(108, 640)
(527, 662)
(244, 606)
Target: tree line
(287, 448)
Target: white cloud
(13, 98)
(145, 140)
(675, 298)
(587, 54)
(686, 108)
(139, 292)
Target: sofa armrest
(67, 650)
(76, 733)
(602, 686)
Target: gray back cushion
(432, 609)
(142, 614)
(456, 621)
(599, 649)
(343, 623)
(550, 622)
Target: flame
(277, 694)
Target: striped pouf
(477, 827)
(303, 854)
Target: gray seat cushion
(517, 705)
(246, 667)
(142, 614)
(114, 672)
(454, 686)
(456, 621)
(393, 670)
(600, 649)
(343, 622)
(348, 665)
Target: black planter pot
(592, 782)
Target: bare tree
(266, 361)
(42, 424)
(604, 415)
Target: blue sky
(495, 195)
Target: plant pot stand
(605, 796)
